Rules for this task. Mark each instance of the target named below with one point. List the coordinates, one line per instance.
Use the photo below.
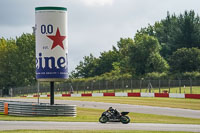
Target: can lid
(50, 8)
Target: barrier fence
(35, 109)
(1, 93)
(147, 86)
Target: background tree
(86, 68)
(92, 66)
(185, 60)
(156, 63)
(175, 32)
(8, 58)
(144, 55)
(25, 64)
(105, 62)
(122, 50)
(17, 61)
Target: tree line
(167, 49)
(17, 61)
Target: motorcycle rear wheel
(125, 119)
(103, 119)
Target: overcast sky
(94, 25)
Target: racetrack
(124, 107)
(38, 125)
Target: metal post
(149, 86)
(106, 86)
(190, 86)
(38, 89)
(92, 87)
(159, 85)
(114, 85)
(84, 87)
(140, 85)
(51, 93)
(77, 88)
(99, 86)
(122, 86)
(169, 85)
(131, 85)
(11, 92)
(61, 89)
(179, 86)
(46, 89)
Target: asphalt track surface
(188, 113)
(38, 125)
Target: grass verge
(149, 101)
(160, 102)
(92, 115)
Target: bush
(186, 75)
(156, 75)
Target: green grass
(160, 102)
(92, 115)
(83, 115)
(149, 101)
(86, 131)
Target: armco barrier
(5, 101)
(42, 109)
(1, 106)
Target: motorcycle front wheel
(103, 119)
(125, 119)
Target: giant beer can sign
(51, 43)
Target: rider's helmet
(110, 108)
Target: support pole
(51, 93)
(159, 85)
(190, 86)
(38, 91)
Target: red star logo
(57, 39)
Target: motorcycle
(110, 117)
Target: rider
(113, 111)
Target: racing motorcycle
(110, 117)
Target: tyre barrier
(35, 109)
